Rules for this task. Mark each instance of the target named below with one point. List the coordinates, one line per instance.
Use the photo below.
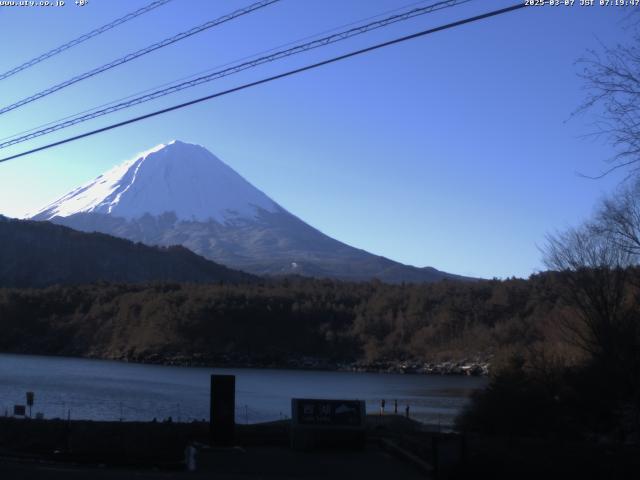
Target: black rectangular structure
(223, 410)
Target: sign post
(30, 398)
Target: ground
(253, 463)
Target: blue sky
(455, 150)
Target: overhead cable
(139, 53)
(84, 38)
(268, 79)
(336, 37)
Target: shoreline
(462, 367)
(454, 368)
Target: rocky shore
(462, 367)
(472, 367)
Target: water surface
(109, 390)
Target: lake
(109, 390)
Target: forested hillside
(273, 322)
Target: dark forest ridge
(38, 254)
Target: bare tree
(595, 275)
(619, 218)
(612, 81)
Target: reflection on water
(107, 390)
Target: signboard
(30, 396)
(317, 423)
(19, 410)
(328, 413)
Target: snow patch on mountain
(176, 177)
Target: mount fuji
(181, 194)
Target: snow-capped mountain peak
(217, 214)
(176, 177)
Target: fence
(162, 409)
(128, 412)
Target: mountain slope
(38, 254)
(181, 194)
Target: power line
(211, 69)
(139, 53)
(84, 38)
(236, 69)
(270, 79)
